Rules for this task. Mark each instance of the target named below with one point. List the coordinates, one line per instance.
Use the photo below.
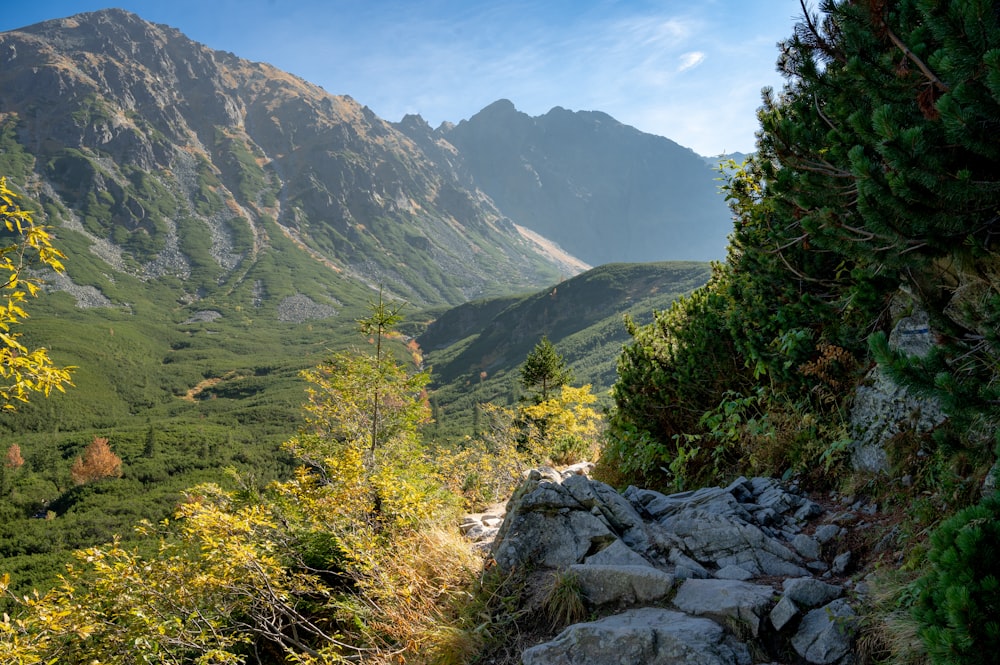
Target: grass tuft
(564, 603)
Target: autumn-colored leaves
(96, 462)
(23, 370)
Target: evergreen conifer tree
(877, 168)
(959, 598)
(544, 371)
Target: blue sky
(690, 71)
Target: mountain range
(227, 223)
(164, 158)
(604, 191)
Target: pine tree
(544, 371)
(378, 324)
(958, 599)
(149, 449)
(877, 168)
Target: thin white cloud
(691, 59)
(645, 32)
(447, 59)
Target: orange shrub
(97, 462)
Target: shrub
(674, 371)
(958, 601)
(485, 469)
(96, 462)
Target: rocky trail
(755, 572)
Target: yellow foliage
(486, 468)
(354, 559)
(23, 370)
(570, 426)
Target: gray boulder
(807, 546)
(883, 409)
(715, 500)
(826, 532)
(808, 592)
(617, 554)
(715, 539)
(650, 636)
(733, 573)
(725, 599)
(783, 612)
(551, 540)
(616, 510)
(777, 499)
(840, 563)
(558, 522)
(622, 585)
(685, 567)
(826, 635)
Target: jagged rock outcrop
(715, 571)
(882, 409)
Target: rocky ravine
(745, 574)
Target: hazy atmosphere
(689, 71)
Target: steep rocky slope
(140, 140)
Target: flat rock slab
(605, 585)
(734, 599)
(650, 636)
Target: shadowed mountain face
(604, 191)
(138, 139)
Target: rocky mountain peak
(140, 139)
(135, 132)
(604, 191)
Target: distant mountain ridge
(604, 191)
(475, 350)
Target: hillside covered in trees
(873, 198)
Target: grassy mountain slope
(475, 350)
